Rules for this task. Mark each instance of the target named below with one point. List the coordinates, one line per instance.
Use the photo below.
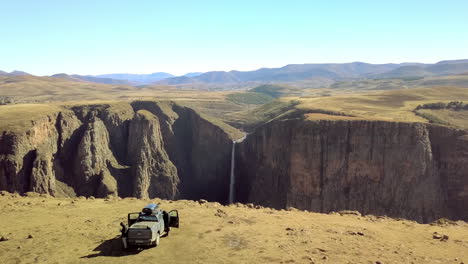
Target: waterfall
(233, 169)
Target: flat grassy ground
(456, 118)
(36, 97)
(86, 231)
(31, 89)
(397, 105)
(18, 117)
(405, 83)
(239, 108)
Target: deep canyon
(149, 149)
(139, 149)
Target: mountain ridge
(327, 72)
(137, 79)
(83, 78)
(331, 71)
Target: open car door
(174, 218)
(132, 218)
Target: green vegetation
(445, 117)
(284, 90)
(233, 133)
(265, 113)
(453, 105)
(252, 98)
(4, 100)
(269, 89)
(431, 118)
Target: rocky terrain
(41, 229)
(140, 149)
(327, 163)
(316, 160)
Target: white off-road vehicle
(146, 227)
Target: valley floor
(84, 230)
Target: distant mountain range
(132, 79)
(310, 74)
(442, 68)
(193, 74)
(137, 79)
(330, 71)
(87, 78)
(122, 78)
(13, 73)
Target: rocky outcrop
(411, 170)
(91, 161)
(153, 174)
(25, 162)
(42, 174)
(141, 149)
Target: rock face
(25, 163)
(199, 150)
(141, 149)
(153, 173)
(411, 170)
(152, 149)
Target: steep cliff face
(91, 161)
(199, 150)
(410, 170)
(142, 149)
(450, 151)
(153, 173)
(25, 162)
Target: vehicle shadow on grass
(112, 248)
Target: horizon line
(257, 68)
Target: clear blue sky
(93, 37)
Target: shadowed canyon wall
(141, 149)
(411, 170)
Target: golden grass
(389, 105)
(20, 117)
(53, 87)
(395, 105)
(456, 118)
(317, 116)
(28, 89)
(86, 231)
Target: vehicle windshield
(148, 218)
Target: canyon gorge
(142, 149)
(150, 149)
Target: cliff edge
(412, 170)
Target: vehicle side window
(133, 218)
(173, 213)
